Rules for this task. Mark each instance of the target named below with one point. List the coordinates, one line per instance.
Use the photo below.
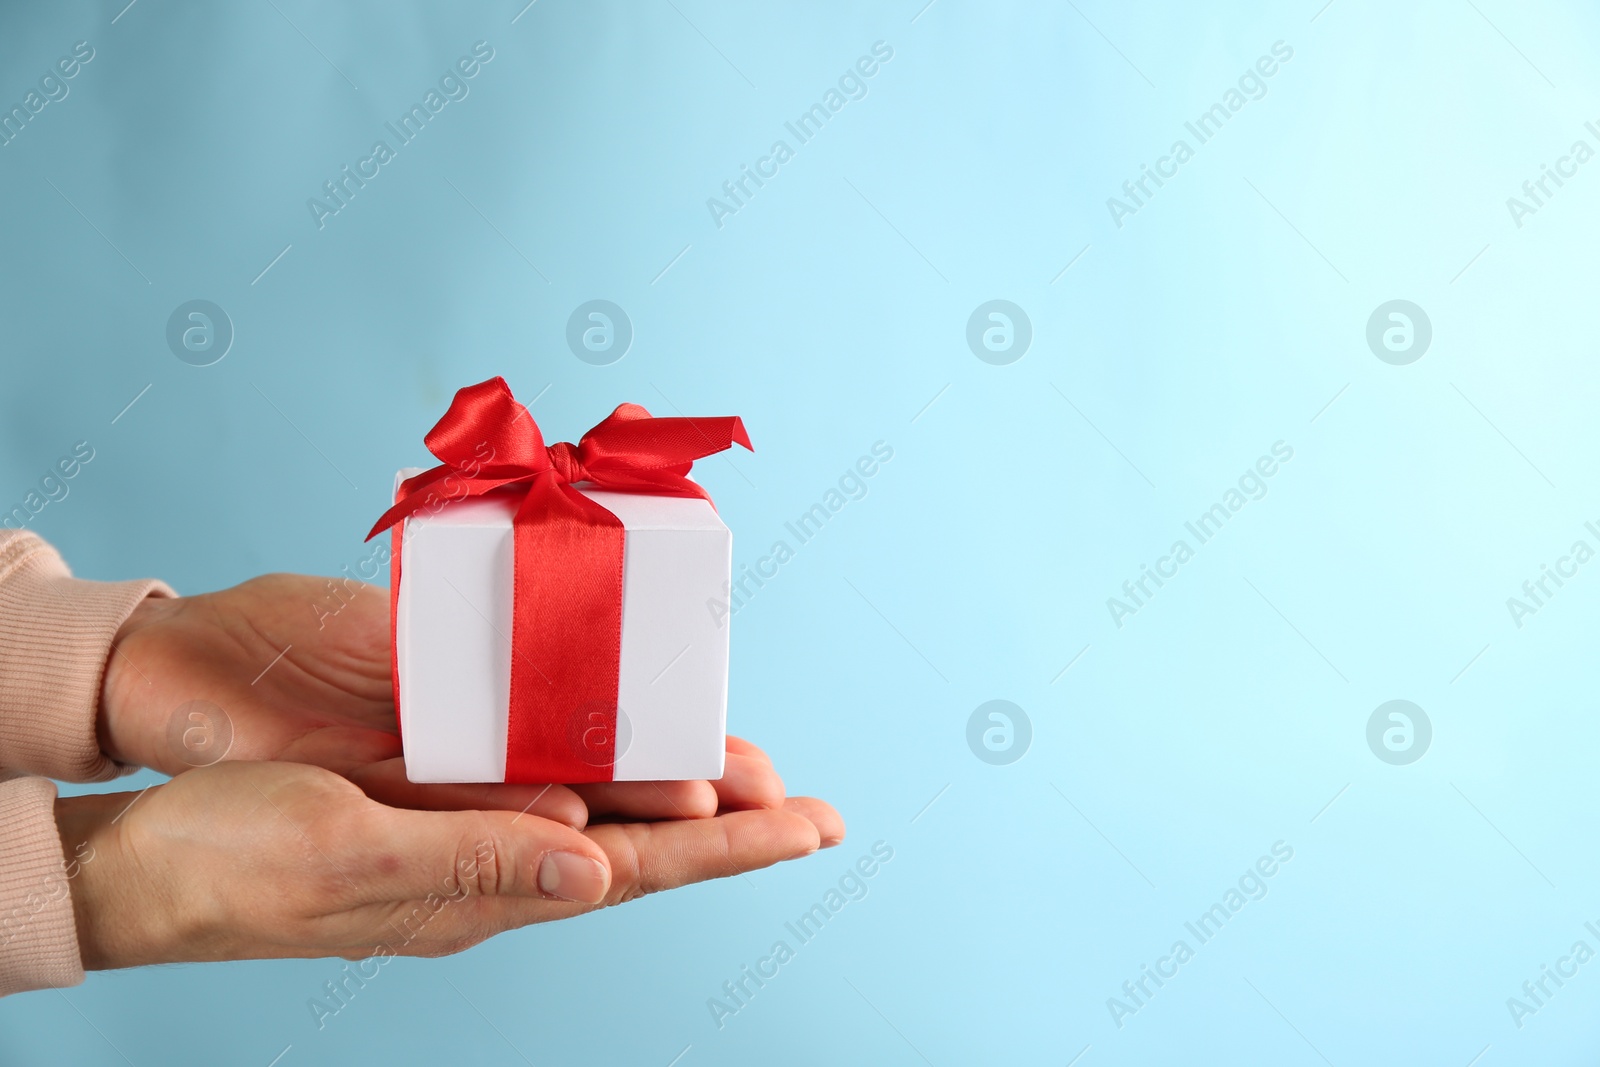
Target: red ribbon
(566, 628)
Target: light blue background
(1227, 314)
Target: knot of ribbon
(566, 630)
(568, 464)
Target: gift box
(554, 607)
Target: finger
(656, 856)
(386, 782)
(648, 801)
(650, 857)
(745, 748)
(822, 815)
(748, 782)
(394, 854)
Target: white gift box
(453, 638)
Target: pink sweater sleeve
(55, 635)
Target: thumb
(408, 855)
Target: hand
(299, 665)
(272, 860)
(301, 668)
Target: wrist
(116, 726)
(119, 923)
(83, 824)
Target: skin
(305, 839)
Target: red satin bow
(566, 633)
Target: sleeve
(38, 934)
(55, 635)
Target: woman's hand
(300, 668)
(298, 665)
(304, 838)
(263, 860)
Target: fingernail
(574, 877)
